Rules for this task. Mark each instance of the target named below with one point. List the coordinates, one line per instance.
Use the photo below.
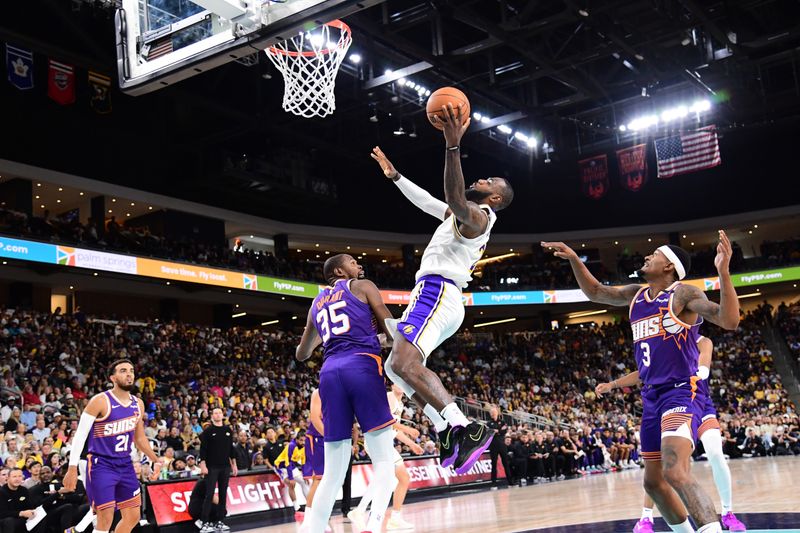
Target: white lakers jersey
(451, 255)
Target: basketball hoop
(309, 64)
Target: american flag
(687, 152)
(159, 48)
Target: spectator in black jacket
(17, 505)
(522, 450)
(498, 446)
(729, 446)
(63, 508)
(537, 458)
(753, 445)
(243, 451)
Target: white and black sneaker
(221, 526)
(208, 527)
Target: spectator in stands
(753, 445)
(730, 446)
(521, 450)
(41, 431)
(173, 439)
(243, 450)
(17, 505)
(568, 450)
(191, 465)
(34, 470)
(177, 469)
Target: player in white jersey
(436, 309)
(406, 435)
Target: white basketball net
(309, 63)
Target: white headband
(669, 254)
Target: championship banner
(633, 167)
(594, 176)
(100, 99)
(265, 491)
(61, 82)
(19, 63)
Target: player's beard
(125, 387)
(476, 196)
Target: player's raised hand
(453, 126)
(603, 388)
(388, 168)
(724, 252)
(559, 249)
(71, 479)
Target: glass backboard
(160, 42)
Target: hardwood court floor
(763, 485)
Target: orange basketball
(444, 96)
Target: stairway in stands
(785, 364)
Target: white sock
(713, 527)
(337, 461)
(454, 416)
(712, 442)
(647, 513)
(397, 514)
(381, 446)
(296, 504)
(684, 527)
(438, 422)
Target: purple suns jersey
(665, 347)
(345, 324)
(112, 436)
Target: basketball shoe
(448, 446)
(731, 523)
(471, 442)
(358, 519)
(396, 523)
(645, 525)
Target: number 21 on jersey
(333, 321)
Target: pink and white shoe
(731, 523)
(299, 516)
(645, 525)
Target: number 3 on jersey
(645, 354)
(331, 322)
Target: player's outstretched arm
(628, 380)
(706, 348)
(593, 289)
(468, 213)
(413, 446)
(309, 341)
(724, 314)
(415, 194)
(94, 409)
